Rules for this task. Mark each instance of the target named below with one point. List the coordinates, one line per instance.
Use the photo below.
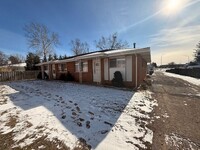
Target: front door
(96, 70)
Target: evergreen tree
(60, 57)
(50, 57)
(31, 60)
(55, 57)
(65, 56)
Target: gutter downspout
(136, 72)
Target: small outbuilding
(99, 66)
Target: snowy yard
(72, 114)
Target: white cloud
(175, 44)
(162, 10)
(176, 36)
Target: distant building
(13, 67)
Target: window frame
(117, 62)
(62, 67)
(77, 66)
(81, 66)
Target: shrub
(69, 76)
(117, 80)
(39, 76)
(62, 76)
(66, 77)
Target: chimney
(134, 45)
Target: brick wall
(142, 67)
(71, 69)
(87, 77)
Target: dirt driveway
(177, 117)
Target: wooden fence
(18, 75)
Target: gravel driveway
(177, 117)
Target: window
(117, 63)
(83, 66)
(59, 67)
(77, 66)
(113, 63)
(62, 67)
(121, 63)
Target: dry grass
(12, 121)
(47, 144)
(3, 100)
(7, 143)
(146, 84)
(82, 145)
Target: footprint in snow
(81, 119)
(77, 108)
(87, 124)
(64, 116)
(74, 114)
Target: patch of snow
(157, 117)
(41, 147)
(106, 118)
(175, 141)
(198, 95)
(192, 80)
(165, 115)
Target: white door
(97, 70)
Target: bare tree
(41, 39)
(78, 47)
(111, 42)
(16, 59)
(3, 58)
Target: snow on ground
(106, 118)
(186, 78)
(177, 142)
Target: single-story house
(99, 66)
(13, 67)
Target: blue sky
(171, 33)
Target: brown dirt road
(177, 117)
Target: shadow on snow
(88, 112)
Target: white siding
(128, 68)
(106, 69)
